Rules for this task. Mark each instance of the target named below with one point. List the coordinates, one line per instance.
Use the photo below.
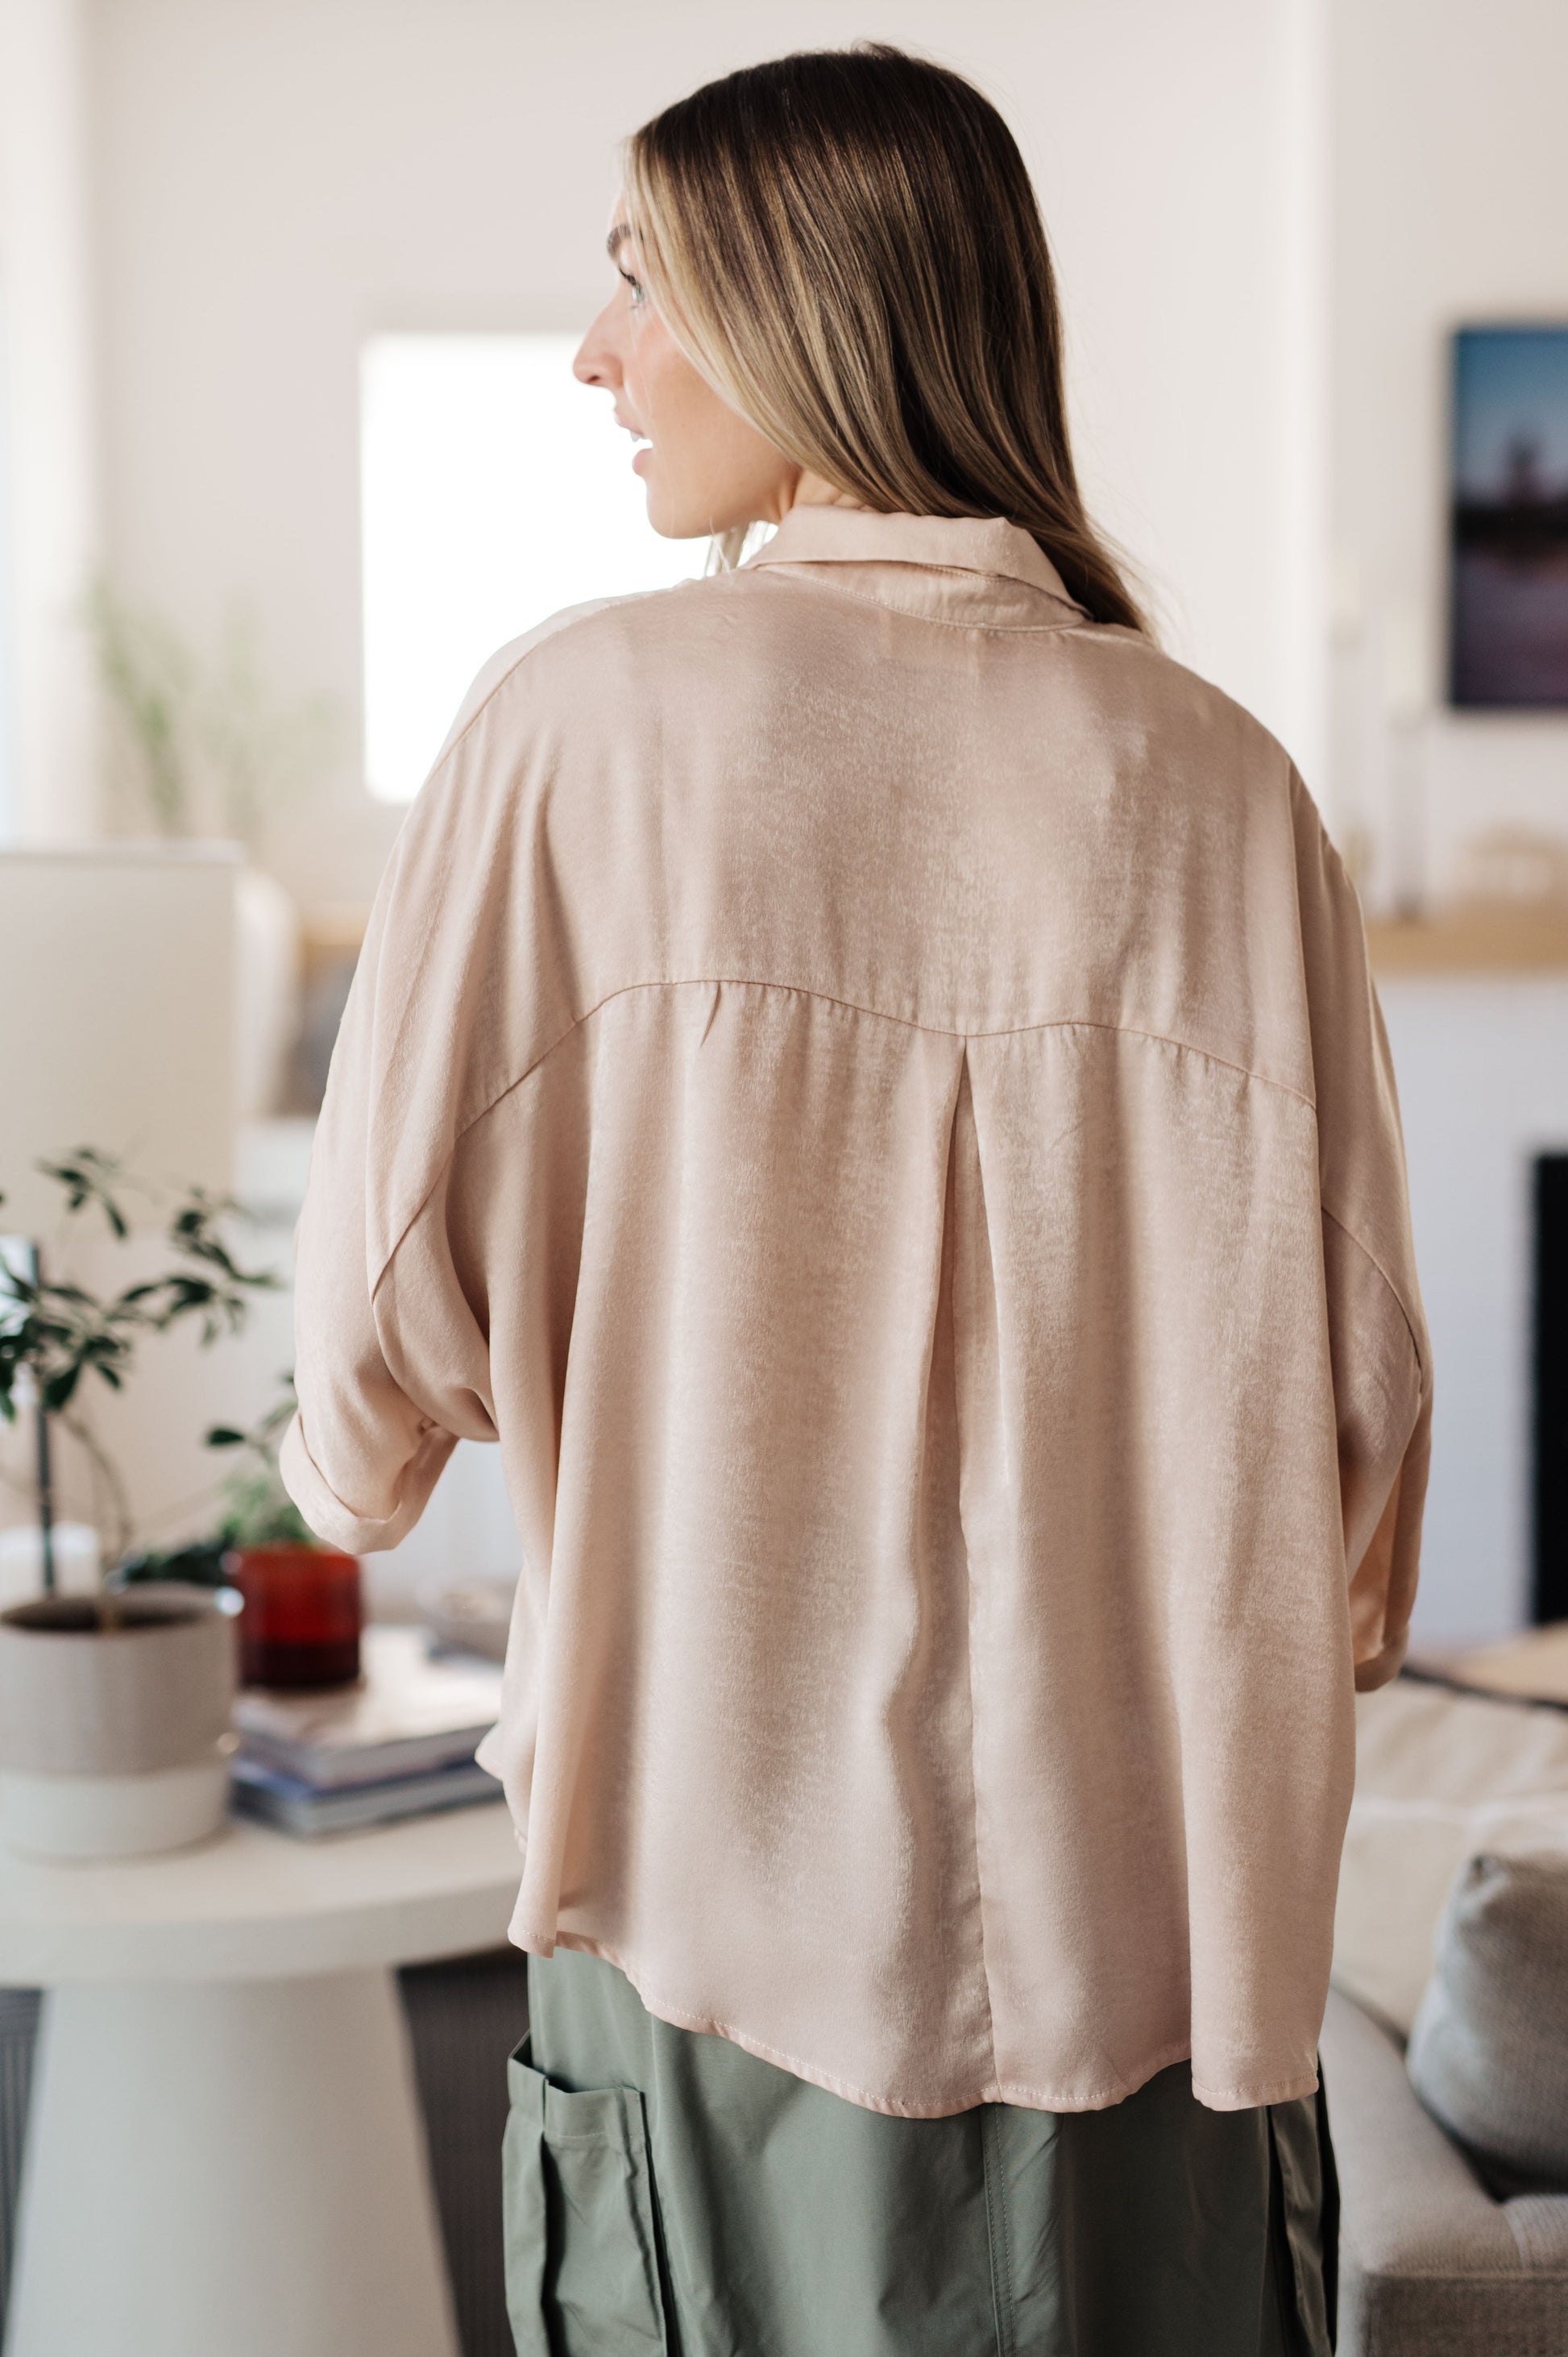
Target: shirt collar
(840, 536)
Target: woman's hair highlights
(849, 246)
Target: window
(495, 490)
(9, 799)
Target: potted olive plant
(113, 1706)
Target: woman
(863, 1077)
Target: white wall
(1450, 202)
(1483, 1075)
(48, 786)
(276, 179)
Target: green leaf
(87, 1176)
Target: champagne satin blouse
(869, 1087)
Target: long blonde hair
(848, 245)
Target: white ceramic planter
(114, 1741)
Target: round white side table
(225, 2156)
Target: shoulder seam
(599, 606)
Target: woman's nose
(597, 361)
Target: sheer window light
(495, 490)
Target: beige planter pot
(114, 1741)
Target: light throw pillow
(1440, 1776)
(1488, 2050)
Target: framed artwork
(1508, 558)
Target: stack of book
(400, 1742)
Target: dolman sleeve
(466, 979)
(1379, 1352)
(448, 1003)
(377, 1420)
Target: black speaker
(1548, 1438)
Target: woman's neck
(812, 492)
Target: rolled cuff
(331, 1520)
(1379, 1668)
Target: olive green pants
(667, 2191)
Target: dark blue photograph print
(1509, 574)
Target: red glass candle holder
(301, 1615)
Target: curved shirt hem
(1032, 2099)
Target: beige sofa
(1431, 2265)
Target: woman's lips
(645, 450)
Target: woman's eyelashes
(638, 294)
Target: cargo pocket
(582, 2267)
